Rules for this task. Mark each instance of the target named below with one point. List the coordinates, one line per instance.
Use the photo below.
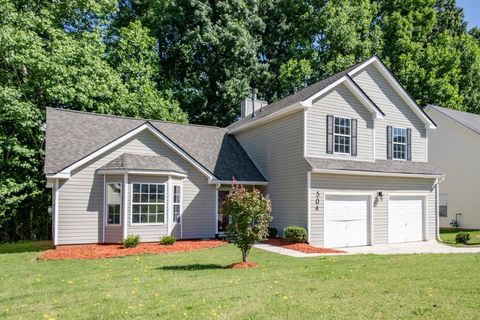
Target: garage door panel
(346, 220)
(405, 219)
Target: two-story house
(346, 158)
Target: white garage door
(405, 219)
(346, 221)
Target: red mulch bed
(243, 265)
(302, 247)
(98, 251)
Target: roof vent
(251, 104)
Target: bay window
(114, 200)
(148, 203)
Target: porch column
(125, 204)
(169, 208)
(55, 211)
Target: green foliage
(55, 54)
(462, 237)
(249, 213)
(147, 58)
(131, 241)
(167, 240)
(272, 232)
(295, 234)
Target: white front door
(346, 221)
(405, 218)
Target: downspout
(437, 207)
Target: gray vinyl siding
(81, 197)
(397, 114)
(113, 233)
(455, 151)
(339, 102)
(330, 183)
(277, 149)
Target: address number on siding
(317, 200)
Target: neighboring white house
(454, 148)
(346, 158)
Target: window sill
(146, 224)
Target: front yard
(194, 285)
(448, 236)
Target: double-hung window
(342, 135)
(114, 200)
(148, 203)
(400, 143)
(177, 203)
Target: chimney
(250, 105)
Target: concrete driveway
(409, 248)
(399, 248)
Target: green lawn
(448, 236)
(196, 286)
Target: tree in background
(196, 60)
(54, 54)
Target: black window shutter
(389, 142)
(409, 144)
(354, 137)
(329, 134)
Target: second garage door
(346, 221)
(405, 218)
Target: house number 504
(317, 200)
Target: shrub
(462, 237)
(131, 241)
(249, 213)
(295, 234)
(168, 240)
(272, 232)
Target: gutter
(373, 173)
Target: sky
(471, 8)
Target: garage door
(346, 221)
(405, 219)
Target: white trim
(59, 175)
(125, 137)
(216, 211)
(56, 203)
(376, 114)
(397, 87)
(374, 144)
(141, 172)
(304, 133)
(437, 211)
(169, 205)
(424, 213)
(282, 112)
(309, 209)
(343, 135)
(105, 204)
(166, 201)
(229, 182)
(178, 184)
(104, 207)
(370, 173)
(125, 204)
(399, 143)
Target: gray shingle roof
(468, 120)
(73, 135)
(295, 98)
(128, 161)
(383, 166)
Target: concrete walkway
(384, 249)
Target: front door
(222, 221)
